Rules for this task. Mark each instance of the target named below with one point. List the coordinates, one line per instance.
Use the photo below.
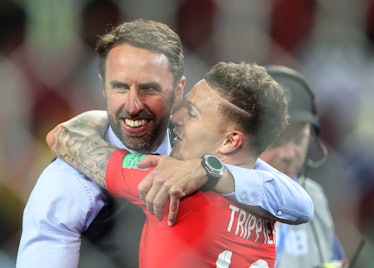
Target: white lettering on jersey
(249, 226)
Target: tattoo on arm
(83, 148)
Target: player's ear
(103, 85)
(233, 141)
(178, 94)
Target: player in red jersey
(211, 230)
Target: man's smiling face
(140, 94)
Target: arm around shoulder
(80, 143)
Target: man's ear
(233, 141)
(103, 85)
(179, 90)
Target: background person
(314, 243)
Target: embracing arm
(79, 143)
(263, 189)
(272, 193)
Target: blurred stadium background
(48, 73)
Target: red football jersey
(211, 231)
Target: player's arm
(69, 141)
(79, 143)
(263, 190)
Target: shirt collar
(163, 149)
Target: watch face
(214, 163)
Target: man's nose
(135, 103)
(177, 117)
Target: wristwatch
(214, 168)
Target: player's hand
(172, 180)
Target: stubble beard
(144, 143)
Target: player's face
(288, 152)
(140, 95)
(199, 127)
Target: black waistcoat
(112, 239)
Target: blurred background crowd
(48, 73)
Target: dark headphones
(301, 108)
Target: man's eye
(150, 87)
(298, 140)
(146, 88)
(191, 115)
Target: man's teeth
(135, 123)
